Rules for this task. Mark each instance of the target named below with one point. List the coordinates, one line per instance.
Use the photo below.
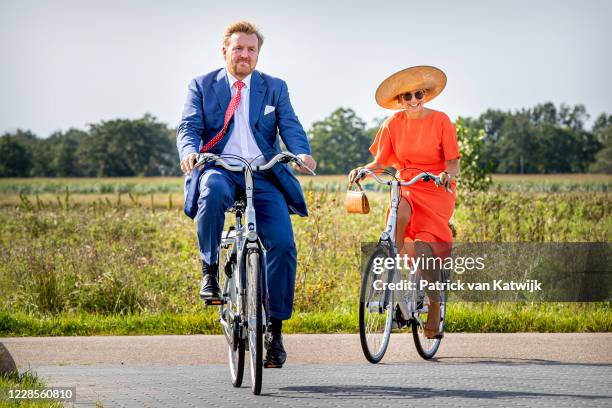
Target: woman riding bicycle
(413, 140)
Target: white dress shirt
(241, 141)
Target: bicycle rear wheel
(375, 307)
(230, 312)
(426, 347)
(255, 318)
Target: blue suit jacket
(207, 100)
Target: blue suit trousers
(219, 189)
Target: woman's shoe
(432, 327)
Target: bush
(475, 169)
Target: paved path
(310, 348)
(564, 370)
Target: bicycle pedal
(214, 302)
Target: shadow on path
(512, 361)
(389, 392)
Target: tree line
(546, 139)
(120, 147)
(542, 139)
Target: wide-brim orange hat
(430, 79)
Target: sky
(70, 63)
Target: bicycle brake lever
(201, 161)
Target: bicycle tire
(427, 348)
(255, 318)
(236, 360)
(230, 313)
(373, 310)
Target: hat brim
(431, 79)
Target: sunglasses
(408, 95)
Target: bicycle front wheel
(376, 305)
(255, 318)
(230, 312)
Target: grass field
(462, 317)
(85, 262)
(24, 380)
(161, 185)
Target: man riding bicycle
(239, 111)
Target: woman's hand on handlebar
(352, 177)
(445, 180)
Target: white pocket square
(269, 109)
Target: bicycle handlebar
(421, 176)
(282, 157)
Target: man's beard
(243, 69)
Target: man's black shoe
(275, 351)
(210, 287)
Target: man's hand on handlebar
(308, 162)
(188, 162)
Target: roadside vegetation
(109, 263)
(23, 380)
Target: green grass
(25, 380)
(73, 264)
(108, 185)
(167, 185)
(462, 317)
(552, 183)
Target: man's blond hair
(242, 27)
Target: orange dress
(412, 146)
